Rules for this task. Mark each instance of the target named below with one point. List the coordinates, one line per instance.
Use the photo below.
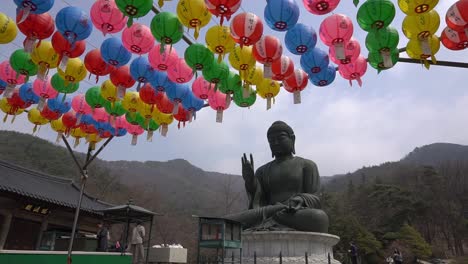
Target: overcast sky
(341, 128)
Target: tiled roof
(40, 186)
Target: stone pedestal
(292, 245)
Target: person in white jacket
(138, 236)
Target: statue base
(292, 246)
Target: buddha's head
(281, 138)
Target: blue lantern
(121, 132)
(314, 61)
(177, 94)
(73, 23)
(114, 53)
(300, 39)
(32, 7)
(281, 15)
(3, 86)
(141, 71)
(161, 82)
(192, 104)
(324, 77)
(60, 104)
(27, 94)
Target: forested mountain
(419, 204)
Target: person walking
(397, 257)
(138, 236)
(353, 251)
(102, 237)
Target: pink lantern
(352, 50)
(320, 7)
(81, 107)
(267, 50)
(282, 68)
(100, 115)
(161, 60)
(335, 31)
(180, 72)
(219, 102)
(135, 131)
(138, 39)
(107, 17)
(43, 89)
(202, 88)
(354, 70)
(296, 83)
(11, 77)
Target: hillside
(435, 153)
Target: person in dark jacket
(353, 250)
(102, 237)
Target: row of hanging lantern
(375, 17)
(455, 35)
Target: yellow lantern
(268, 89)
(8, 29)
(417, 7)
(421, 26)
(147, 111)
(58, 126)
(164, 120)
(35, 117)
(75, 71)
(193, 14)
(44, 56)
(109, 91)
(78, 134)
(93, 139)
(9, 110)
(422, 50)
(219, 40)
(242, 59)
(131, 101)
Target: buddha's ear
(293, 138)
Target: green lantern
(134, 9)
(150, 127)
(93, 97)
(375, 14)
(247, 100)
(114, 109)
(59, 85)
(383, 61)
(197, 56)
(231, 84)
(135, 118)
(21, 62)
(216, 72)
(383, 39)
(166, 28)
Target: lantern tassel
(34, 129)
(228, 100)
(219, 116)
(8, 93)
(77, 142)
(359, 81)
(387, 59)
(339, 51)
(297, 97)
(178, 125)
(267, 73)
(149, 136)
(220, 58)
(41, 104)
(175, 109)
(64, 97)
(24, 13)
(161, 3)
(92, 145)
(194, 115)
(197, 31)
(130, 21)
(5, 118)
(190, 116)
(59, 136)
(268, 103)
(63, 63)
(356, 2)
(164, 130)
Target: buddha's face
(281, 143)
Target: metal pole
(439, 63)
(97, 153)
(307, 258)
(78, 164)
(149, 240)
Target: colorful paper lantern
(11, 77)
(21, 62)
(69, 120)
(59, 127)
(36, 27)
(193, 14)
(177, 94)
(80, 107)
(141, 71)
(219, 102)
(164, 120)
(314, 61)
(45, 57)
(161, 82)
(354, 70)
(96, 65)
(93, 97)
(423, 50)
(74, 72)
(3, 86)
(457, 16)
(16, 101)
(282, 68)
(59, 104)
(375, 14)
(35, 117)
(138, 39)
(180, 72)
(253, 77)
(320, 7)
(164, 104)
(383, 60)
(9, 29)
(166, 28)
(107, 17)
(219, 40)
(148, 94)
(182, 116)
(67, 50)
(114, 109)
(109, 91)
(223, 8)
(352, 50)
(26, 7)
(335, 31)
(122, 79)
(231, 84)
(9, 110)
(421, 26)
(216, 72)
(281, 15)
(162, 59)
(268, 89)
(242, 59)
(73, 23)
(49, 114)
(192, 104)
(27, 94)
(244, 101)
(100, 115)
(324, 77)
(78, 134)
(267, 50)
(44, 90)
(383, 41)
(62, 86)
(130, 102)
(197, 56)
(296, 83)
(454, 40)
(414, 8)
(134, 9)
(246, 29)
(114, 53)
(202, 88)
(300, 39)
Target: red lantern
(88, 128)
(296, 83)
(246, 29)
(148, 94)
(69, 120)
(182, 116)
(96, 65)
(49, 114)
(36, 27)
(352, 50)
(267, 50)
(457, 16)
(122, 78)
(223, 8)
(354, 70)
(164, 104)
(454, 40)
(65, 49)
(282, 68)
(16, 102)
(320, 7)
(335, 31)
